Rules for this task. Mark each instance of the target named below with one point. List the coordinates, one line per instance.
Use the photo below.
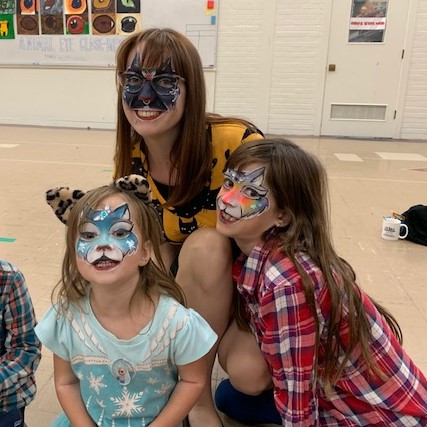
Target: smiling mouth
(148, 114)
(225, 217)
(104, 263)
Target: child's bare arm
(192, 379)
(68, 392)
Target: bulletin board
(82, 40)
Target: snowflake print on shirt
(96, 383)
(176, 336)
(127, 404)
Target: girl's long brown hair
(298, 183)
(191, 154)
(72, 287)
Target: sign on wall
(368, 21)
(86, 33)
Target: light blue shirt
(126, 382)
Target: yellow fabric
(179, 222)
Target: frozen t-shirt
(126, 382)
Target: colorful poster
(87, 32)
(27, 19)
(69, 17)
(52, 16)
(7, 10)
(368, 21)
(7, 30)
(128, 23)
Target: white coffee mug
(392, 229)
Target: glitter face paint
(106, 235)
(243, 195)
(156, 89)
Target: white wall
(271, 64)
(414, 121)
(244, 59)
(298, 67)
(58, 97)
(67, 97)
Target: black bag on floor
(416, 220)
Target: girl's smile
(245, 206)
(109, 242)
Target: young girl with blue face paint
(165, 134)
(126, 351)
(334, 355)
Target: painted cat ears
(63, 199)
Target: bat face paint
(105, 236)
(150, 89)
(243, 195)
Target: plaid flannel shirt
(273, 294)
(19, 346)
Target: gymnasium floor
(368, 179)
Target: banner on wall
(368, 21)
(88, 32)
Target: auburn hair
(191, 154)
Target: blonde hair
(72, 287)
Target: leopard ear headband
(63, 199)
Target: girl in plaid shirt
(20, 349)
(334, 354)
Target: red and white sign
(367, 23)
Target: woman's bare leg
(204, 273)
(241, 358)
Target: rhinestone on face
(103, 214)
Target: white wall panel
(298, 67)
(245, 32)
(271, 64)
(414, 120)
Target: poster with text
(368, 21)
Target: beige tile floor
(368, 179)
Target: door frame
(404, 70)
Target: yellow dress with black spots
(179, 222)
